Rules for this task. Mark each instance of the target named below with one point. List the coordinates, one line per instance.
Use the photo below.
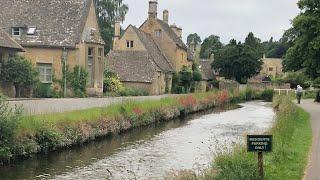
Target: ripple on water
(188, 147)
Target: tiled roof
(132, 66)
(59, 23)
(207, 72)
(172, 34)
(7, 42)
(160, 60)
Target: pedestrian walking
(318, 96)
(299, 92)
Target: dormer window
(129, 44)
(16, 32)
(31, 31)
(158, 33)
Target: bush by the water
(267, 95)
(9, 120)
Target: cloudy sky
(225, 18)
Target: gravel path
(47, 106)
(313, 170)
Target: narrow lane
(313, 169)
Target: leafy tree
(107, 12)
(275, 49)
(20, 72)
(305, 52)
(255, 43)
(237, 61)
(194, 38)
(210, 45)
(297, 78)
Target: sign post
(260, 144)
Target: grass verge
(43, 133)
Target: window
(100, 54)
(158, 33)
(129, 44)
(270, 69)
(45, 72)
(90, 66)
(31, 31)
(16, 31)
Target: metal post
(260, 165)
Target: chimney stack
(166, 16)
(153, 9)
(116, 38)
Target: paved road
(313, 170)
(47, 106)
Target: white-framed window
(16, 32)
(31, 31)
(90, 66)
(158, 33)
(129, 44)
(45, 72)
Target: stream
(150, 152)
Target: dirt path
(313, 170)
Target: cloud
(225, 18)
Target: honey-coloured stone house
(146, 57)
(56, 31)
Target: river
(150, 153)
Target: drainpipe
(64, 59)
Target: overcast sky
(225, 18)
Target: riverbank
(292, 140)
(44, 133)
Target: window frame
(43, 76)
(130, 44)
(15, 30)
(158, 33)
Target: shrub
(267, 95)
(20, 72)
(111, 82)
(78, 80)
(45, 91)
(9, 119)
(133, 92)
(249, 94)
(316, 82)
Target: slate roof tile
(7, 42)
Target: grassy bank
(43, 133)
(292, 140)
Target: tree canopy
(237, 61)
(107, 12)
(305, 38)
(210, 46)
(194, 38)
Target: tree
(305, 33)
(237, 61)
(194, 38)
(78, 81)
(210, 46)
(275, 49)
(20, 72)
(107, 12)
(255, 43)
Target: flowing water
(150, 153)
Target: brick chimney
(153, 9)
(116, 38)
(166, 16)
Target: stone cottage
(207, 74)
(155, 49)
(271, 67)
(53, 32)
(8, 48)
